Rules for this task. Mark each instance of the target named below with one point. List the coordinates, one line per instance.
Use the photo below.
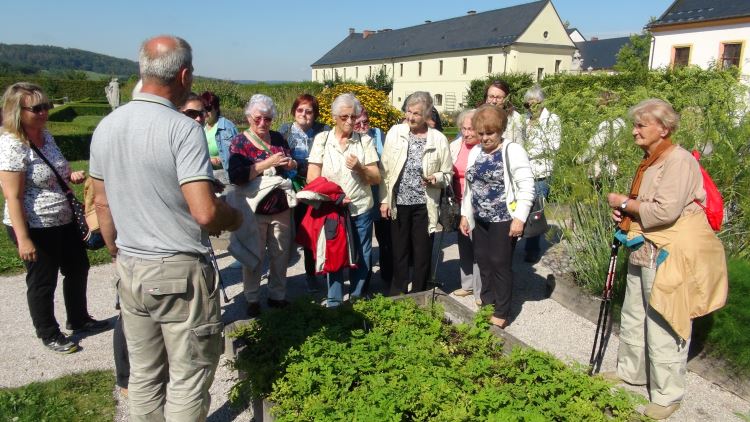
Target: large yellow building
(443, 57)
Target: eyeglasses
(194, 113)
(495, 97)
(362, 123)
(38, 108)
(530, 105)
(345, 117)
(307, 111)
(260, 119)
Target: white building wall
(705, 45)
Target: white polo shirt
(327, 152)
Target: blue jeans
(362, 236)
(541, 188)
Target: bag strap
(60, 180)
(506, 160)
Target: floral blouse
(410, 189)
(488, 188)
(44, 201)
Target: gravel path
(537, 320)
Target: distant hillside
(58, 59)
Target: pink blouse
(459, 169)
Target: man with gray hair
(154, 196)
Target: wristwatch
(624, 204)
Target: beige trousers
(172, 321)
(650, 352)
(275, 236)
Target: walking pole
(218, 273)
(604, 320)
(433, 276)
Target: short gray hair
(463, 116)
(164, 66)
(421, 97)
(344, 100)
(534, 93)
(262, 103)
(654, 109)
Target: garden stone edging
(565, 292)
(455, 312)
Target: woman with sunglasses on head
(299, 134)
(219, 134)
(39, 219)
(350, 160)
(259, 156)
(416, 167)
(498, 94)
(541, 139)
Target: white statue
(577, 62)
(113, 93)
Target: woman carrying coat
(495, 206)
(416, 166)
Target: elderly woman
(262, 154)
(471, 283)
(219, 134)
(497, 200)
(416, 167)
(541, 139)
(679, 271)
(348, 159)
(299, 134)
(38, 218)
(498, 94)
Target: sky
(270, 40)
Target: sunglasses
(345, 117)
(260, 119)
(194, 113)
(38, 108)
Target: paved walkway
(538, 321)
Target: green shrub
(391, 360)
(58, 88)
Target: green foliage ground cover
(84, 396)
(391, 360)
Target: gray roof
(689, 11)
(495, 28)
(601, 54)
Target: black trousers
(385, 248)
(120, 346)
(299, 213)
(410, 239)
(493, 251)
(58, 249)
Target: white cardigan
(523, 179)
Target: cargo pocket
(206, 343)
(166, 300)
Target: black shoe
(531, 257)
(277, 303)
(60, 344)
(90, 325)
(253, 309)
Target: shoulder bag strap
(506, 160)
(60, 180)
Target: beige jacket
(692, 281)
(436, 161)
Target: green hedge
(58, 88)
(69, 112)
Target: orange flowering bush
(382, 114)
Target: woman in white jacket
(416, 166)
(495, 206)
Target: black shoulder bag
(78, 211)
(536, 222)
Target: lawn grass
(10, 263)
(728, 337)
(85, 396)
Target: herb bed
(394, 360)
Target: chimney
(594, 39)
(471, 12)
(366, 33)
(351, 31)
